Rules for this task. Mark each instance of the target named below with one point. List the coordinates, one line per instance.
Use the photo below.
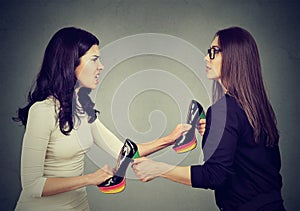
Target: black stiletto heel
(117, 183)
(188, 141)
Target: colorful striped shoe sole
(114, 189)
(186, 147)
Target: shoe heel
(202, 115)
(136, 155)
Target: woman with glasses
(240, 142)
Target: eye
(94, 59)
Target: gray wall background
(26, 27)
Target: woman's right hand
(179, 130)
(100, 175)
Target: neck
(223, 87)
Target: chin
(210, 77)
(92, 87)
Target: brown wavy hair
(57, 77)
(241, 75)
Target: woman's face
(88, 71)
(213, 66)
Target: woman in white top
(58, 108)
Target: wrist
(165, 169)
(87, 179)
(169, 140)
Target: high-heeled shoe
(188, 141)
(117, 183)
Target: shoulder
(45, 105)
(43, 110)
(235, 108)
(42, 120)
(227, 111)
(227, 104)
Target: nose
(206, 58)
(100, 66)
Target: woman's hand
(201, 126)
(156, 145)
(146, 169)
(56, 185)
(179, 130)
(100, 175)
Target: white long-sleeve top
(47, 152)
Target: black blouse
(244, 175)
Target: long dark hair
(242, 77)
(57, 76)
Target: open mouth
(97, 77)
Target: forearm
(179, 174)
(60, 185)
(146, 170)
(154, 146)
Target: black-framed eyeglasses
(213, 51)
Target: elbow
(35, 189)
(209, 177)
(216, 181)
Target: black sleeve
(219, 145)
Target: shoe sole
(114, 189)
(186, 147)
(121, 186)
